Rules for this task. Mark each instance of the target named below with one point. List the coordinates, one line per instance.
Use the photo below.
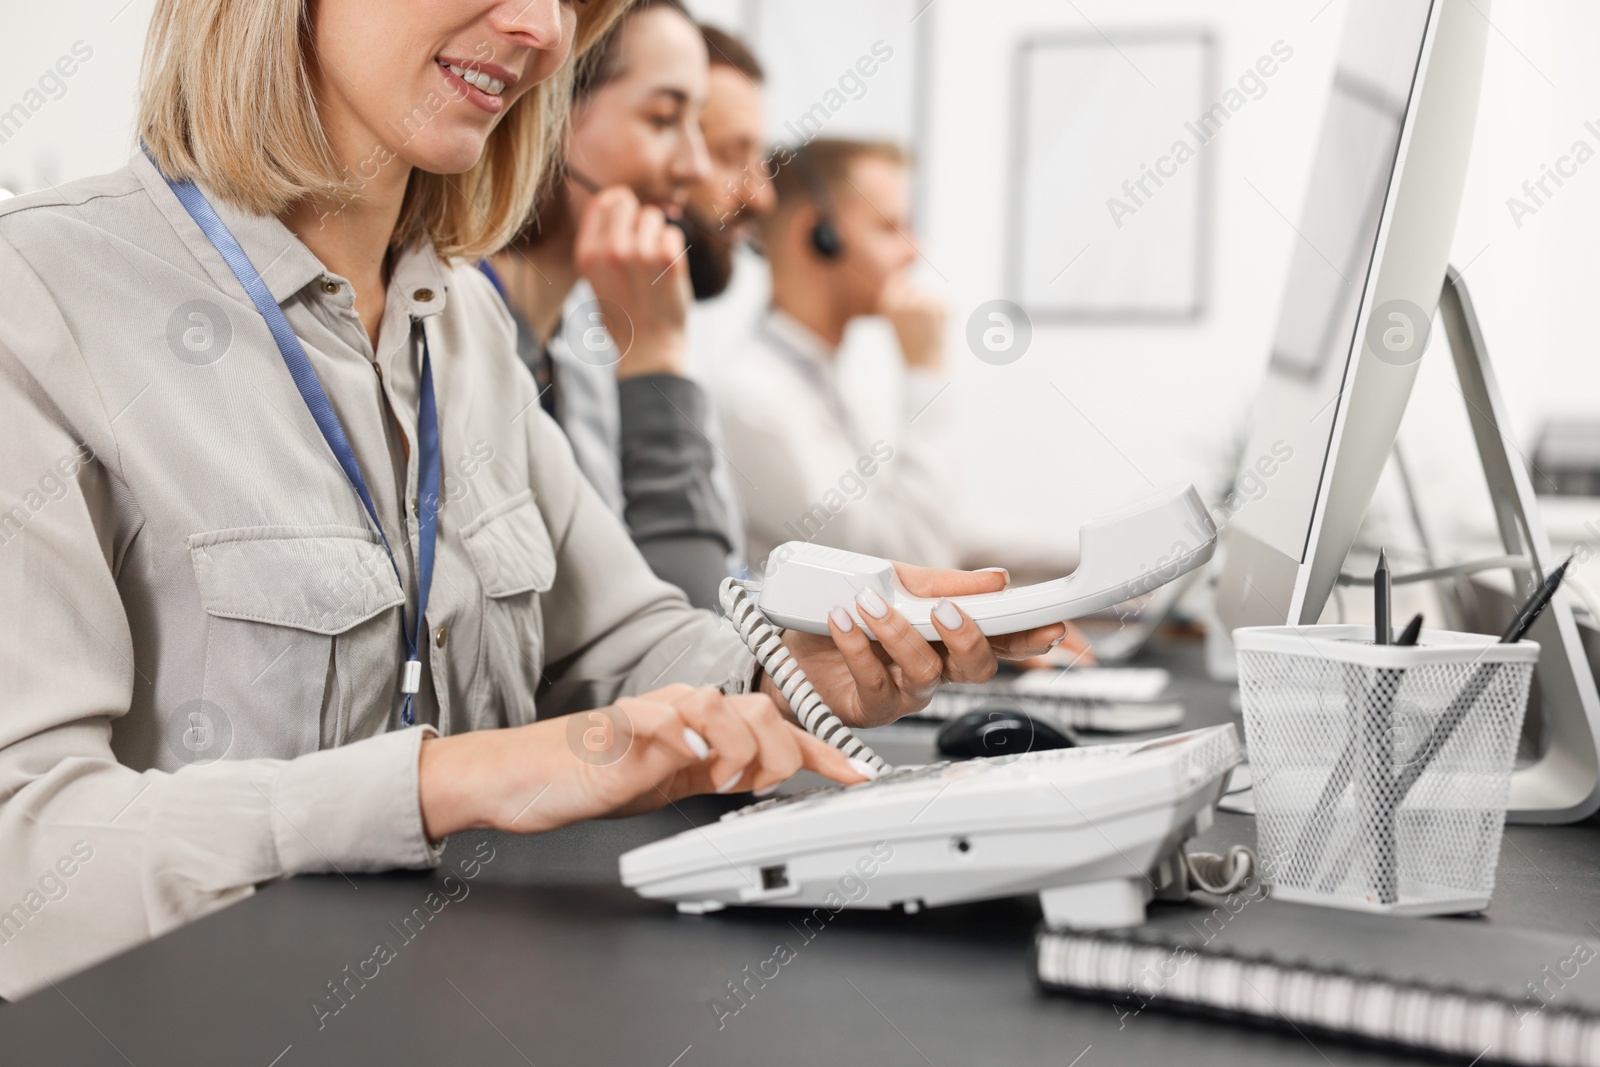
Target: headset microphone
(592, 187)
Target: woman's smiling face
(424, 81)
(642, 128)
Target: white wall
(88, 127)
(1165, 402)
(1168, 402)
(1160, 403)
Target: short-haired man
(840, 248)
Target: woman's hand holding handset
(632, 757)
(869, 683)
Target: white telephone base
(1092, 830)
(1122, 555)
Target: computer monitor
(1369, 260)
(1364, 282)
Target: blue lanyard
(316, 400)
(494, 279)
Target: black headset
(826, 240)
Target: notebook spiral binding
(1448, 1019)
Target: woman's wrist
(666, 352)
(448, 803)
(763, 684)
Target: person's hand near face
(918, 318)
(635, 263)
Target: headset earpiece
(825, 239)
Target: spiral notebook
(1462, 987)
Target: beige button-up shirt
(200, 632)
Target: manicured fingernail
(727, 787)
(996, 570)
(947, 614)
(696, 743)
(841, 618)
(766, 790)
(863, 768)
(872, 604)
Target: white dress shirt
(808, 472)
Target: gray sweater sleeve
(673, 510)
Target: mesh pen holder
(1381, 773)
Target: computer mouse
(998, 730)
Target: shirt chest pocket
(302, 643)
(511, 550)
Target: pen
(1314, 834)
(1386, 880)
(1530, 612)
(1526, 616)
(1381, 634)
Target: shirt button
(442, 633)
(422, 296)
(330, 287)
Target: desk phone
(1092, 830)
(1121, 556)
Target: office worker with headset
(599, 284)
(839, 250)
(290, 553)
(840, 246)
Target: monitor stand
(1563, 784)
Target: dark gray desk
(547, 961)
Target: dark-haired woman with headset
(287, 548)
(599, 286)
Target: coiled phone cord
(766, 644)
(1220, 875)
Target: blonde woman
(287, 549)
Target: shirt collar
(285, 264)
(419, 277)
(797, 338)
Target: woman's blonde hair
(226, 98)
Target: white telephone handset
(1122, 555)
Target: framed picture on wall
(1110, 204)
